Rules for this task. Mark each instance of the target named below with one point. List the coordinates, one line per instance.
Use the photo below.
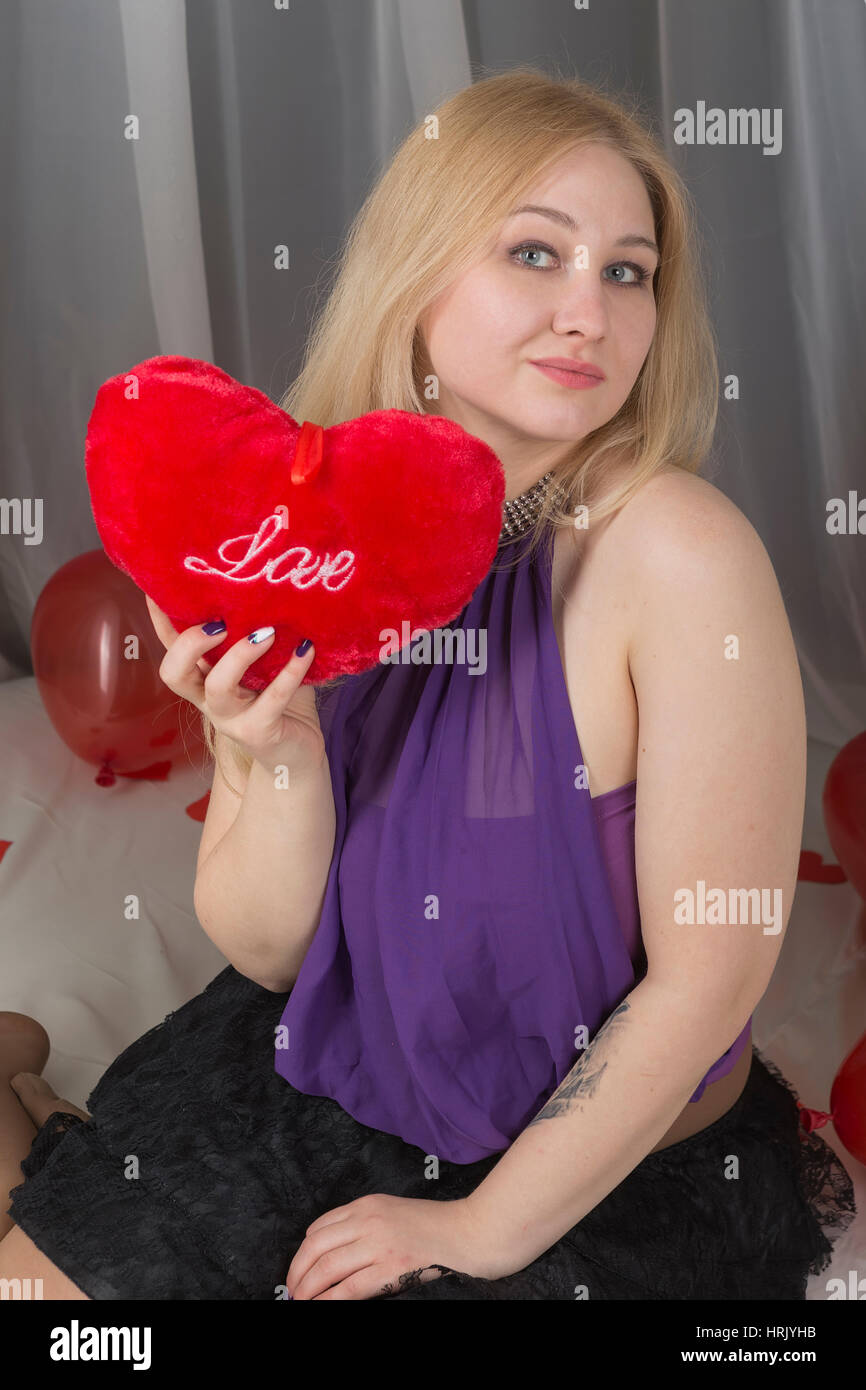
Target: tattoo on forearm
(582, 1081)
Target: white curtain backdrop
(260, 127)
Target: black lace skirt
(201, 1169)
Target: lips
(571, 377)
(570, 364)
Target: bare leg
(24, 1046)
(26, 1099)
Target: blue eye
(532, 246)
(641, 274)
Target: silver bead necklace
(521, 512)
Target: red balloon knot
(812, 1119)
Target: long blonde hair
(431, 211)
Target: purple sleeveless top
(479, 906)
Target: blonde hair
(429, 216)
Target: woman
(480, 1036)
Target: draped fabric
(469, 927)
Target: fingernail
(261, 634)
(213, 628)
(303, 647)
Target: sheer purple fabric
(480, 906)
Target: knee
(24, 1044)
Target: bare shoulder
(708, 640)
(674, 510)
(677, 541)
(682, 543)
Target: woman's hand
(278, 725)
(378, 1244)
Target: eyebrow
(630, 239)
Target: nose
(582, 305)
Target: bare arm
(266, 848)
(259, 890)
(720, 793)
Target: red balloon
(848, 1101)
(844, 804)
(96, 658)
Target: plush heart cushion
(219, 505)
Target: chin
(568, 432)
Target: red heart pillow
(219, 505)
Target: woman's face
(549, 289)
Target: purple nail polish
(214, 627)
(303, 647)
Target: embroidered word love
(333, 574)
